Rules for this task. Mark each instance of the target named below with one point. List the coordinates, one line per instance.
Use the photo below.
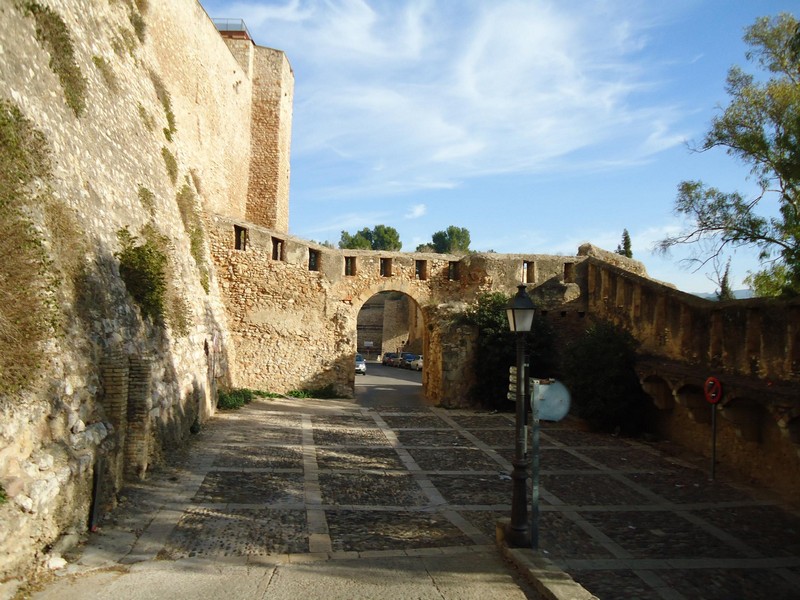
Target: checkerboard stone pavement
(314, 480)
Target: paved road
(328, 499)
(389, 386)
(297, 499)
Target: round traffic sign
(713, 390)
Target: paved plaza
(410, 496)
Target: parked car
(408, 359)
(387, 357)
(395, 360)
(361, 365)
(416, 364)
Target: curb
(550, 581)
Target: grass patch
(138, 24)
(148, 199)
(124, 42)
(327, 392)
(193, 225)
(53, 35)
(236, 398)
(147, 118)
(166, 102)
(106, 72)
(171, 164)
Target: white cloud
(417, 211)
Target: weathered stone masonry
(281, 313)
(117, 391)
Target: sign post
(713, 392)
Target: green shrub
(142, 267)
(496, 350)
(3, 497)
(325, 392)
(599, 371)
(53, 35)
(235, 398)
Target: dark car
(408, 359)
(387, 357)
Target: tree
(725, 292)
(496, 349)
(624, 247)
(453, 240)
(761, 128)
(599, 372)
(380, 237)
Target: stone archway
(389, 319)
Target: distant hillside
(738, 294)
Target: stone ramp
(283, 490)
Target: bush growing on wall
(142, 267)
(496, 350)
(599, 371)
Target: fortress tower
(271, 125)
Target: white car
(416, 364)
(361, 365)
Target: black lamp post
(520, 311)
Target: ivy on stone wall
(53, 35)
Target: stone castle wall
(119, 391)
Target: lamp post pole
(518, 532)
(520, 311)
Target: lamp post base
(518, 533)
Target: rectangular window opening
(277, 249)
(350, 266)
(452, 270)
(386, 267)
(421, 269)
(569, 272)
(313, 259)
(528, 271)
(240, 238)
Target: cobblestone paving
(343, 481)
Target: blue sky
(538, 125)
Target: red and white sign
(713, 390)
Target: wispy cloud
(436, 91)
